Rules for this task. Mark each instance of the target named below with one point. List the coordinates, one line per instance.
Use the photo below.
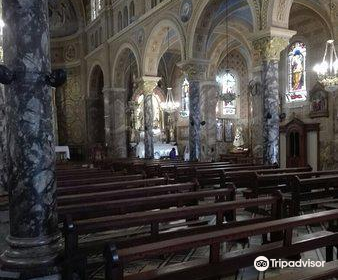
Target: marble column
(119, 123)
(209, 94)
(268, 50)
(3, 142)
(271, 111)
(195, 71)
(107, 101)
(34, 237)
(146, 86)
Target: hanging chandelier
(327, 70)
(227, 93)
(170, 106)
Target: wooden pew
(97, 180)
(123, 206)
(88, 173)
(265, 183)
(101, 187)
(229, 263)
(158, 230)
(155, 219)
(248, 178)
(312, 191)
(213, 176)
(329, 271)
(127, 193)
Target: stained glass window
(185, 99)
(297, 73)
(229, 87)
(96, 6)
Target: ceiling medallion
(186, 10)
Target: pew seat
(223, 264)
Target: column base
(32, 257)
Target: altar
(160, 150)
(63, 151)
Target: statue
(238, 141)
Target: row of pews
(132, 210)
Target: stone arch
(152, 53)
(95, 107)
(122, 61)
(217, 51)
(202, 15)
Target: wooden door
(296, 149)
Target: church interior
(169, 139)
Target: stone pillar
(119, 123)
(195, 71)
(146, 86)
(107, 103)
(34, 237)
(268, 50)
(209, 98)
(3, 142)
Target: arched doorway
(95, 108)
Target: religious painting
(186, 10)
(228, 131)
(219, 130)
(319, 102)
(296, 72)
(183, 133)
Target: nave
(161, 219)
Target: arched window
(296, 73)
(95, 6)
(185, 99)
(229, 86)
(125, 17)
(119, 21)
(132, 11)
(153, 3)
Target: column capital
(268, 44)
(195, 69)
(147, 84)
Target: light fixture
(228, 94)
(327, 70)
(169, 106)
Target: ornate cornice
(269, 48)
(268, 44)
(147, 84)
(194, 69)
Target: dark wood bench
(127, 193)
(265, 183)
(158, 223)
(218, 265)
(312, 192)
(214, 176)
(101, 187)
(96, 180)
(248, 178)
(123, 206)
(88, 173)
